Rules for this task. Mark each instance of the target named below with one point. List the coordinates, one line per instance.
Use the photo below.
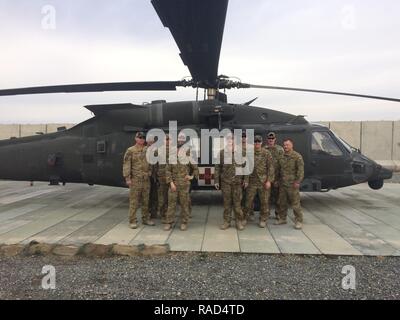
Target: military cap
(140, 134)
(258, 139)
(271, 135)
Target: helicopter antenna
(250, 102)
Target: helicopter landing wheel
(376, 184)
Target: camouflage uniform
(176, 173)
(231, 187)
(163, 186)
(136, 168)
(244, 191)
(291, 170)
(263, 172)
(153, 198)
(276, 152)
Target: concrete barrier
(377, 140)
(32, 129)
(396, 140)
(393, 165)
(348, 131)
(24, 130)
(9, 130)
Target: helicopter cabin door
(89, 155)
(327, 159)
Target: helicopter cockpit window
(322, 142)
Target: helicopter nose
(384, 173)
(367, 170)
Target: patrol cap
(244, 134)
(271, 135)
(258, 139)
(140, 134)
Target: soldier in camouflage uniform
(260, 181)
(244, 191)
(137, 171)
(179, 177)
(276, 152)
(291, 174)
(153, 198)
(160, 169)
(231, 186)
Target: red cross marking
(207, 176)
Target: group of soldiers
(162, 183)
(276, 178)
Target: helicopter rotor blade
(197, 27)
(95, 87)
(245, 85)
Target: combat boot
(239, 226)
(225, 225)
(133, 225)
(298, 225)
(149, 223)
(183, 227)
(280, 222)
(167, 227)
(262, 224)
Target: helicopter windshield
(323, 143)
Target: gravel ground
(201, 276)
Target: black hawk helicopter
(91, 152)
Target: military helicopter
(91, 152)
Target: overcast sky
(334, 45)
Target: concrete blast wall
(24, 130)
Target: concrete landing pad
(350, 221)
